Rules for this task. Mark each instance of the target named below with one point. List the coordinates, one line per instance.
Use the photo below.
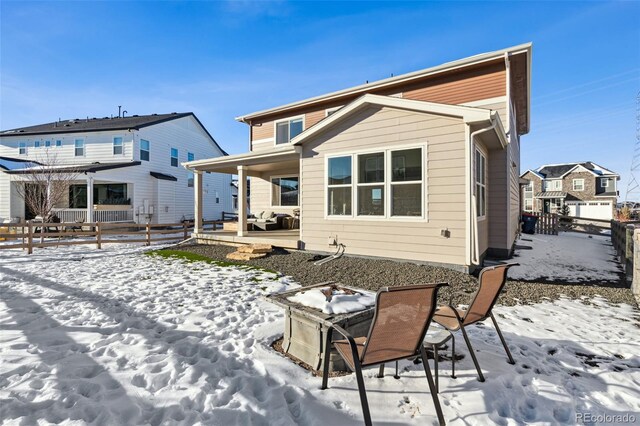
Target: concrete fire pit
(306, 327)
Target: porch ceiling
(255, 163)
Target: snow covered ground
(114, 336)
(569, 256)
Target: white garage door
(591, 209)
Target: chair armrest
(350, 339)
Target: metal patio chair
(491, 283)
(400, 322)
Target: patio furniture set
(398, 328)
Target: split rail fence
(30, 235)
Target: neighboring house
(128, 168)
(588, 189)
(423, 166)
(234, 196)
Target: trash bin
(529, 223)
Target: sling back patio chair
(400, 322)
(491, 283)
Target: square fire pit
(306, 327)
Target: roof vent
(154, 114)
(134, 115)
(174, 113)
(67, 125)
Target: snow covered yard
(117, 337)
(569, 257)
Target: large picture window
(339, 186)
(481, 184)
(284, 191)
(288, 129)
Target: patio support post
(197, 187)
(89, 199)
(242, 201)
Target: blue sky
(224, 59)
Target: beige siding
(445, 170)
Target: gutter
(474, 206)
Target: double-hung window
(191, 157)
(339, 186)
(371, 184)
(174, 157)
(144, 150)
(406, 182)
(58, 143)
(605, 182)
(36, 144)
(79, 147)
(47, 144)
(481, 184)
(284, 191)
(117, 146)
(578, 184)
(22, 148)
(288, 129)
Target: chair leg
(453, 356)
(432, 387)
(327, 356)
(381, 372)
(504, 343)
(473, 355)
(363, 393)
(435, 365)
(397, 376)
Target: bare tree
(44, 184)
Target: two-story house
(588, 189)
(128, 168)
(422, 166)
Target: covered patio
(263, 166)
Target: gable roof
(558, 171)
(468, 114)
(409, 77)
(78, 125)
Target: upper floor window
(144, 150)
(118, 149)
(578, 184)
(606, 182)
(288, 129)
(47, 144)
(552, 185)
(22, 148)
(174, 157)
(36, 144)
(190, 157)
(481, 184)
(79, 147)
(58, 143)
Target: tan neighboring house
(589, 190)
(423, 166)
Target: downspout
(474, 220)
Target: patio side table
(436, 340)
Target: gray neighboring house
(589, 189)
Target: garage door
(591, 209)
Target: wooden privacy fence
(622, 241)
(547, 223)
(30, 234)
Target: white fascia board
(538, 175)
(468, 114)
(404, 78)
(239, 158)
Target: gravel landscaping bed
(373, 274)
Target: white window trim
(525, 205)
(574, 184)
(275, 129)
(484, 185)
(84, 148)
(604, 182)
(146, 150)
(328, 111)
(290, 175)
(387, 186)
(113, 146)
(22, 146)
(37, 144)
